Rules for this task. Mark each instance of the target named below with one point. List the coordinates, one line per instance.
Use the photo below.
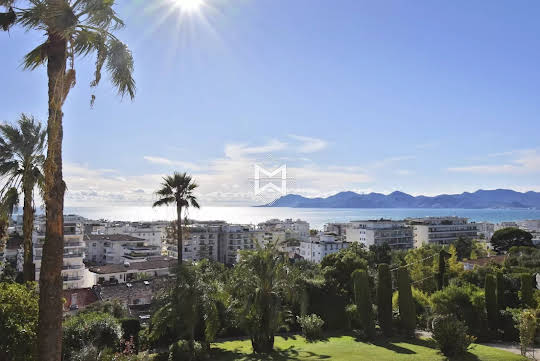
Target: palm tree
(177, 189)
(21, 163)
(73, 28)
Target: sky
(419, 96)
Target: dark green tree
(464, 247)
(407, 311)
(490, 292)
(384, 299)
(362, 299)
(22, 148)
(506, 238)
(442, 269)
(72, 29)
(526, 292)
(501, 304)
(380, 254)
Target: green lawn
(346, 348)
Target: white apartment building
(117, 248)
(530, 225)
(397, 234)
(441, 230)
(290, 229)
(320, 246)
(486, 229)
(152, 232)
(338, 228)
(237, 237)
(73, 269)
(200, 241)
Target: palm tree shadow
(387, 344)
(278, 355)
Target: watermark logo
(270, 180)
(270, 176)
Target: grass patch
(347, 348)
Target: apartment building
(237, 237)
(321, 245)
(338, 228)
(117, 248)
(200, 241)
(73, 269)
(152, 232)
(289, 229)
(129, 271)
(441, 230)
(397, 234)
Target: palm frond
(120, 67)
(86, 41)
(164, 202)
(10, 201)
(99, 13)
(36, 57)
(7, 19)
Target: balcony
(73, 255)
(72, 266)
(71, 278)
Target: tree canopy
(503, 239)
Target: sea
(317, 217)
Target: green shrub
(501, 304)
(184, 351)
(451, 335)
(311, 326)
(491, 302)
(407, 311)
(130, 329)
(18, 321)
(527, 329)
(526, 292)
(422, 306)
(362, 298)
(466, 302)
(100, 330)
(384, 299)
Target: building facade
(441, 230)
(396, 234)
(320, 246)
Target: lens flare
(189, 6)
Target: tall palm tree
(22, 148)
(72, 28)
(177, 189)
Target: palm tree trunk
(28, 225)
(50, 280)
(179, 233)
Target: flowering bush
(311, 326)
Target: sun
(189, 6)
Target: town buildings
(321, 245)
(118, 248)
(73, 269)
(441, 230)
(396, 234)
(150, 268)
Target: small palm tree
(22, 156)
(177, 189)
(72, 29)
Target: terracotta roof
(112, 237)
(486, 260)
(153, 263)
(81, 297)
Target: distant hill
(498, 198)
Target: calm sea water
(317, 217)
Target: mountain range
(498, 198)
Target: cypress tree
(362, 298)
(501, 305)
(442, 269)
(384, 299)
(407, 311)
(526, 293)
(491, 302)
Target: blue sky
(423, 97)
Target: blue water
(317, 217)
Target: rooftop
(112, 238)
(149, 264)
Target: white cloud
(173, 163)
(387, 161)
(309, 144)
(238, 151)
(527, 162)
(404, 172)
